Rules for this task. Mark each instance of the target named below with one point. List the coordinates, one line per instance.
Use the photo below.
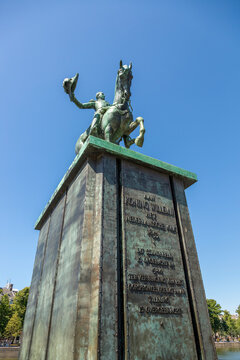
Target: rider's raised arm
(88, 105)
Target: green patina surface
(94, 145)
(113, 123)
(133, 155)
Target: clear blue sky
(186, 85)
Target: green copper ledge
(94, 143)
(140, 158)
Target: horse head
(123, 83)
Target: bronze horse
(117, 122)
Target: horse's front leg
(128, 141)
(140, 139)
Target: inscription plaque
(159, 324)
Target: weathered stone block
(116, 274)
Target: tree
(214, 310)
(14, 326)
(231, 323)
(20, 303)
(5, 313)
(223, 327)
(238, 326)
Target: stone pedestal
(116, 274)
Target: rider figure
(100, 105)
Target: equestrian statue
(110, 122)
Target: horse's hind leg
(108, 133)
(81, 140)
(78, 145)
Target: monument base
(116, 274)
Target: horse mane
(116, 87)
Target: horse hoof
(139, 141)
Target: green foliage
(214, 310)
(223, 327)
(231, 323)
(20, 303)
(5, 313)
(238, 326)
(12, 316)
(14, 326)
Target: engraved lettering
(130, 201)
(157, 225)
(149, 198)
(152, 216)
(156, 262)
(153, 234)
(162, 210)
(147, 278)
(175, 282)
(160, 310)
(157, 271)
(158, 299)
(146, 205)
(153, 224)
(179, 291)
(159, 254)
(172, 229)
(158, 279)
(137, 203)
(152, 283)
(136, 287)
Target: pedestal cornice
(94, 147)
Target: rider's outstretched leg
(94, 128)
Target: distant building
(9, 291)
(234, 317)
